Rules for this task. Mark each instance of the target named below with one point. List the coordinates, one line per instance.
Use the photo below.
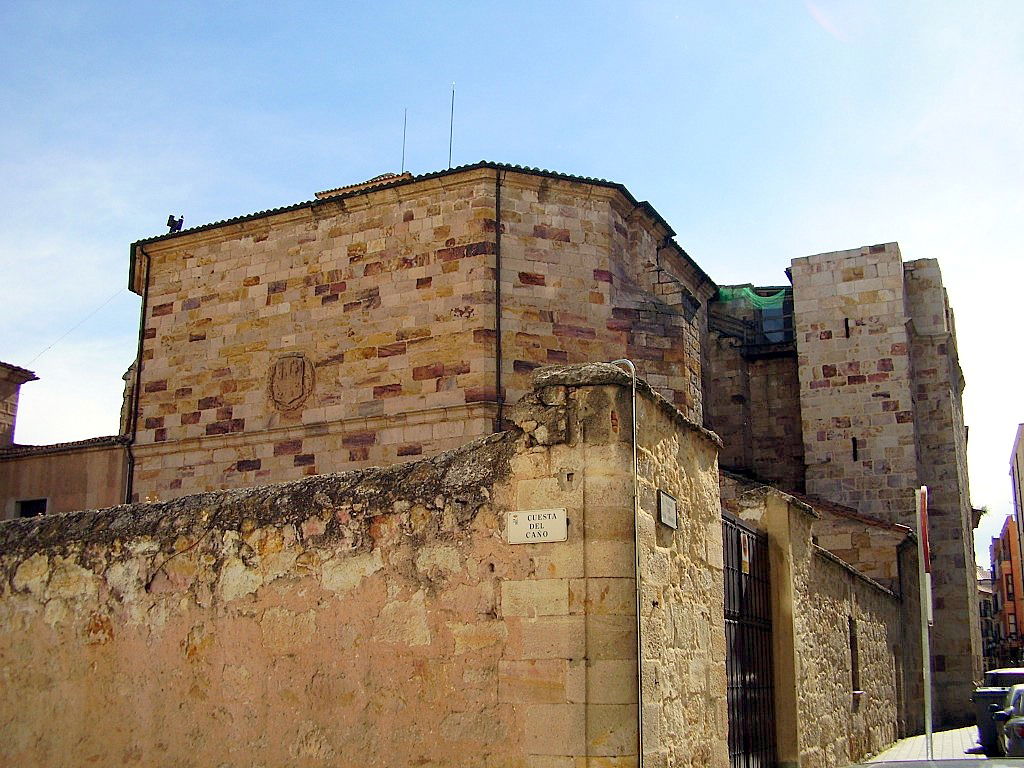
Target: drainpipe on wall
(636, 566)
(498, 426)
(129, 484)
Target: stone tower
(881, 411)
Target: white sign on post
(536, 526)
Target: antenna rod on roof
(451, 127)
(405, 122)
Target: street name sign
(536, 526)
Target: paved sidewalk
(945, 745)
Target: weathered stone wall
(9, 392)
(754, 405)
(855, 380)
(79, 476)
(845, 726)
(820, 722)
(360, 330)
(882, 415)
(871, 549)
(11, 379)
(378, 617)
(942, 466)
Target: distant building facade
(1007, 597)
(48, 479)
(11, 379)
(1017, 479)
(987, 613)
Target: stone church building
(400, 319)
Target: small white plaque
(536, 526)
(667, 510)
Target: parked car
(991, 698)
(1010, 723)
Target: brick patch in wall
(531, 278)
(574, 331)
(390, 350)
(358, 439)
(545, 232)
(225, 427)
(481, 394)
(288, 447)
(423, 372)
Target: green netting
(747, 294)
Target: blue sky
(760, 131)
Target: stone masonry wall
(9, 392)
(871, 549)
(754, 405)
(378, 617)
(361, 330)
(844, 726)
(894, 386)
(942, 466)
(814, 594)
(388, 298)
(855, 380)
(11, 379)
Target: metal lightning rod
(405, 122)
(451, 127)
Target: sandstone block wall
(871, 548)
(942, 466)
(855, 382)
(378, 617)
(11, 379)
(845, 726)
(820, 721)
(754, 405)
(361, 329)
(882, 415)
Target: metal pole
(451, 127)
(924, 571)
(636, 565)
(405, 122)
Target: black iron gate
(748, 635)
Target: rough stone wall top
(300, 622)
